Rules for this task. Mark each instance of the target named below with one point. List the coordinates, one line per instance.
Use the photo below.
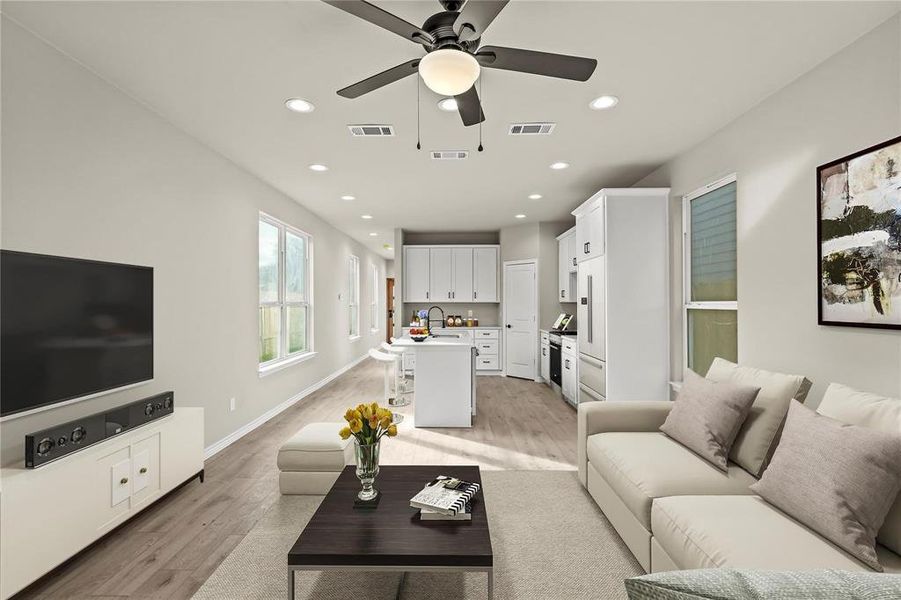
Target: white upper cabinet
(443, 274)
(590, 228)
(484, 265)
(416, 275)
(566, 266)
(463, 274)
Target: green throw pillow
(732, 584)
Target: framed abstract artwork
(859, 238)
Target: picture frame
(859, 238)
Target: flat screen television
(71, 328)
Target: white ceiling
(222, 70)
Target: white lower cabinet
(569, 376)
(546, 362)
(73, 501)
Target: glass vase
(367, 468)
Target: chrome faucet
(429, 316)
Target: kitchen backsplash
(487, 314)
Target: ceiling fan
(454, 58)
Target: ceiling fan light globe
(449, 72)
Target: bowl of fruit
(419, 334)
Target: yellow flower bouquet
(368, 424)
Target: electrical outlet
(231, 404)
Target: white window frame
(374, 316)
(285, 359)
(353, 296)
(687, 302)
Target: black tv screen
(71, 328)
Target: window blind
(713, 246)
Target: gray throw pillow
(707, 415)
(729, 584)
(840, 480)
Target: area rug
(550, 542)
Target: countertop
(407, 342)
(462, 328)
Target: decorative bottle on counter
(458, 321)
(450, 320)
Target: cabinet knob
(123, 481)
(143, 470)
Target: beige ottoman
(309, 462)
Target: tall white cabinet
(622, 249)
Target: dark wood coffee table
(391, 537)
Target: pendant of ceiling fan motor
(441, 27)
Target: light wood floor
(173, 547)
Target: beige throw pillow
(876, 412)
(707, 415)
(840, 480)
(759, 434)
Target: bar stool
(388, 361)
(401, 385)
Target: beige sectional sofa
(675, 511)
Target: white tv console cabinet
(50, 513)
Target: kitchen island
(445, 379)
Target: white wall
(850, 101)
(88, 172)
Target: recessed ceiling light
(299, 105)
(318, 167)
(520, 216)
(604, 102)
(367, 217)
(534, 196)
(448, 104)
(372, 234)
(348, 197)
(557, 166)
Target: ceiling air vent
(532, 128)
(371, 130)
(449, 154)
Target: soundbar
(42, 447)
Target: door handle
(590, 310)
(123, 481)
(426, 295)
(585, 248)
(574, 261)
(509, 326)
(143, 470)
(563, 293)
(475, 294)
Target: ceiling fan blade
(382, 18)
(381, 79)
(475, 18)
(537, 63)
(470, 107)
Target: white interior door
(520, 320)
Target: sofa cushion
(759, 434)
(316, 447)
(717, 584)
(746, 532)
(642, 466)
(877, 412)
(707, 415)
(838, 479)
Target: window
(710, 319)
(374, 301)
(353, 296)
(285, 295)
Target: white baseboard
(236, 435)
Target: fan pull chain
(418, 87)
(481, 114)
